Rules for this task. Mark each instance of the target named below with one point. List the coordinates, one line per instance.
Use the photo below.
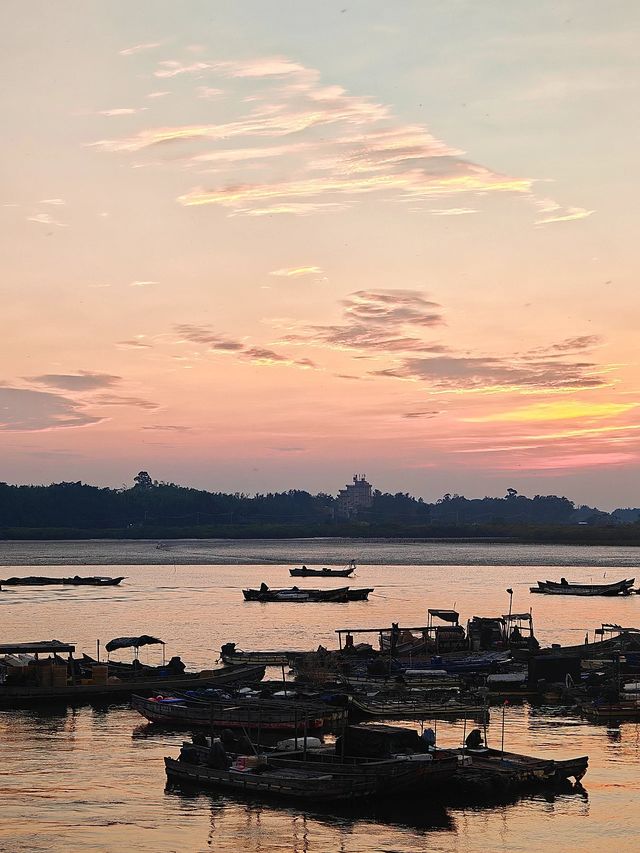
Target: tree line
(150, 509)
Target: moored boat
(305, 572)
(76, 580)
(295, 594)
(563, 587)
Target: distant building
(354, 497)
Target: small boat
(74, 581)
(409, 707)
(341, 595)
(232, 656)
(563, 587)
(304, 572)
(623, 709)
(515, 770)
(188, 711)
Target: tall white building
(354, 497)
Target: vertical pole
(295, 727)
(464, 734)
(502, 738)
(304, 748)
(98, 650)
(284, 682)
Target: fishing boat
(74, 581)
(512, 769)
(237, 712)
(232, 656)
(412, 707)
(314, 775)
(340, 595)
(622, 709)
(563, 587)
(305, 572)
(27, 679)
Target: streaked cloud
(133, 344)
(296, 272)
(83, 380)
(552, 212)
(160, 94)
(45, 219)
(375, 321)
(556, 411)
(123, 400)
(54, 201)
(351, 145)
(141, 48)
(167, 428)
(142, 283)
(121, 111)
(496, 374)
(34, 411)
(256, 354)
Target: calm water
(92, 779)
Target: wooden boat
(232, 656)
(305, 572)
(34, 681)
(622, 587)
(623, 709)
(236, 713)
(74, 581)
(340, 595)
(317, 776)
(615, 639)
(522, 770)
(420, 708)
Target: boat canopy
(445, 615)
(132, 642)
(513, 617)
(43, 647)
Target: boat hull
(553, 588)
(82, 693)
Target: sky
(258, 246)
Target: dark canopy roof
(445, 615)
(131, 642)
(31, 648)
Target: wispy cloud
(83, 380)
(142, 283)
(123, 400)
(296, 272)
(496, 374)
(346, 146)
(45, 219)
(54, 201)
(375, 321)
(552, 212)
(256, 354)
(121, 111)
(34, 411)
(141, 48)
(159, 94)
(556, 411)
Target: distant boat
(563, 587)
(294, 593)
(304, 572)
(74, 581)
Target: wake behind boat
(563, 587)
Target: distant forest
(157, 510)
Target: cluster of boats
(332, 702)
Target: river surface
(92, 779)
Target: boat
(341, 595)
(511, 769)
(326, 774)
(237, 712)
(74, 581)
(563, 587)
(26, 679)
(304, 572)
(622, 709)
(614, 639)
(232, 656)
(421, 708)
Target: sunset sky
(256, 246)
